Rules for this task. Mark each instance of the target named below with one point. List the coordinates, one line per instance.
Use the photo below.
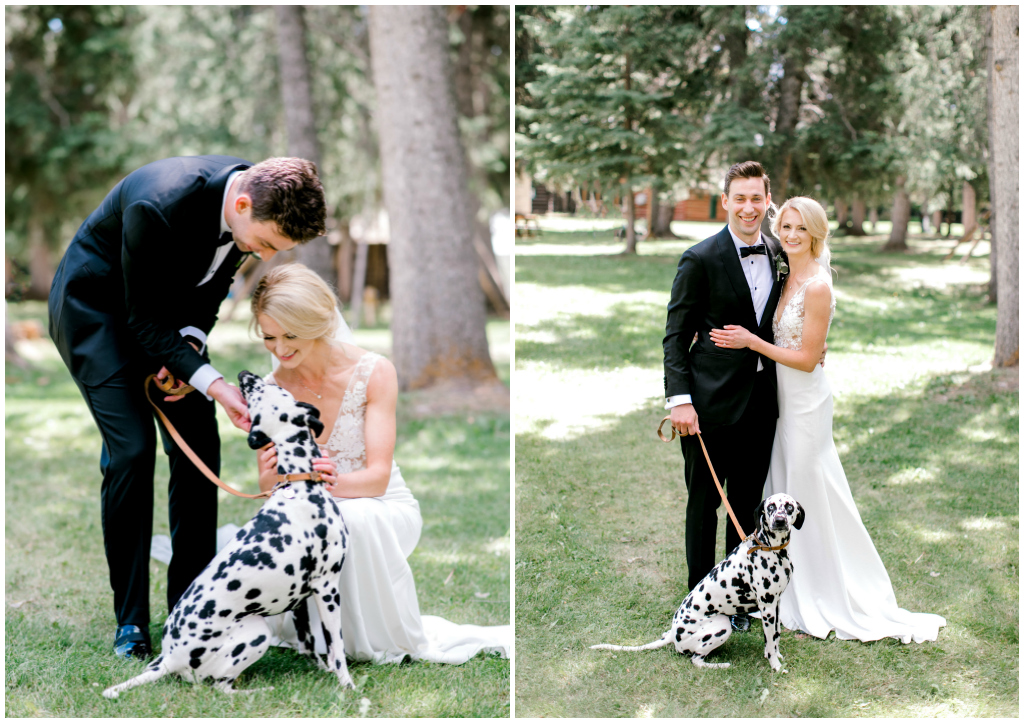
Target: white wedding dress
(380, 613)
(839, 581)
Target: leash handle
(728, 507)
(166, 386)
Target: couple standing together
(138, 290)
(752, 386)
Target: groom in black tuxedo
(728, 395)
(138, 291)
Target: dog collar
(283, 480)
(764, 548)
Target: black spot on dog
(224, 613)
(239, 649)
(234, 585)
(252, 594)
(208, 609)
(289, 569)
(258, 641)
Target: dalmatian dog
(752, 578)
(292, 550)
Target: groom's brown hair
(747, 169)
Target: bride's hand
(732, 337)
(327, 470)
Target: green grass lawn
(60, 623)
(928, 436)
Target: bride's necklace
(323, 381)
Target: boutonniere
(781, 267)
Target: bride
(839, 581)
(356, 391)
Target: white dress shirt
(757, 270)
(206, 374)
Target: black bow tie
(746, 251)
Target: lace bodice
(347, 444)
(789, 326)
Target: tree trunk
(630, 220)
(735, 43)
(857, 217)
(439, 321)
(993, 279)
(969, 216)
(1004, 129)
(873, 219)
(937, 222)
(40, 267)
(900, 217)
(663, 219)
(790, 89)
(842, 215)
(297, 97)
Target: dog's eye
(771, 508)
(789, 507)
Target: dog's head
(780, 513)
(276, 416)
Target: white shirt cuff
(198, 334)
(203, 378)
(677, 400)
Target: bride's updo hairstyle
(298, 299)
(816, 221)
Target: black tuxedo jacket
(709, 292)
(130, 278)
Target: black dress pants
(741, 454)
(125, 420)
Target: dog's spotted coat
(741, 583)
(291, 550)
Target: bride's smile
(795, 237)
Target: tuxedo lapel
(733, 270)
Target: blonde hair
(816, 221)
(298, 299)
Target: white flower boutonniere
(781, 267)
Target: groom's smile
(746, 204)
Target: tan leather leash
(728, 507)
(167, 386)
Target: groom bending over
(728, 395)
(138, 291)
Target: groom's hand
(230, 397)
(684, 419)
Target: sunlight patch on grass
(565, 405)
(939, 277)
(984, 523)
(644, 711)
(918, 475)
(542, 249)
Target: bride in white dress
(839, 581)
(356, 392)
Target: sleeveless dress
(839, 581)
(380, 613)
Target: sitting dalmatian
(292, 549)
(752, 577)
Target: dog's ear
(799, 521)
(315, 424)
(258, 439)
(311, 418)
(313, 411)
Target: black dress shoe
(130, 641)
(740, 623)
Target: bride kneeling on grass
(356, 392)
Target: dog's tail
(155, 671)
(661, 642)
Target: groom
(138, 291)
(728, 395)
